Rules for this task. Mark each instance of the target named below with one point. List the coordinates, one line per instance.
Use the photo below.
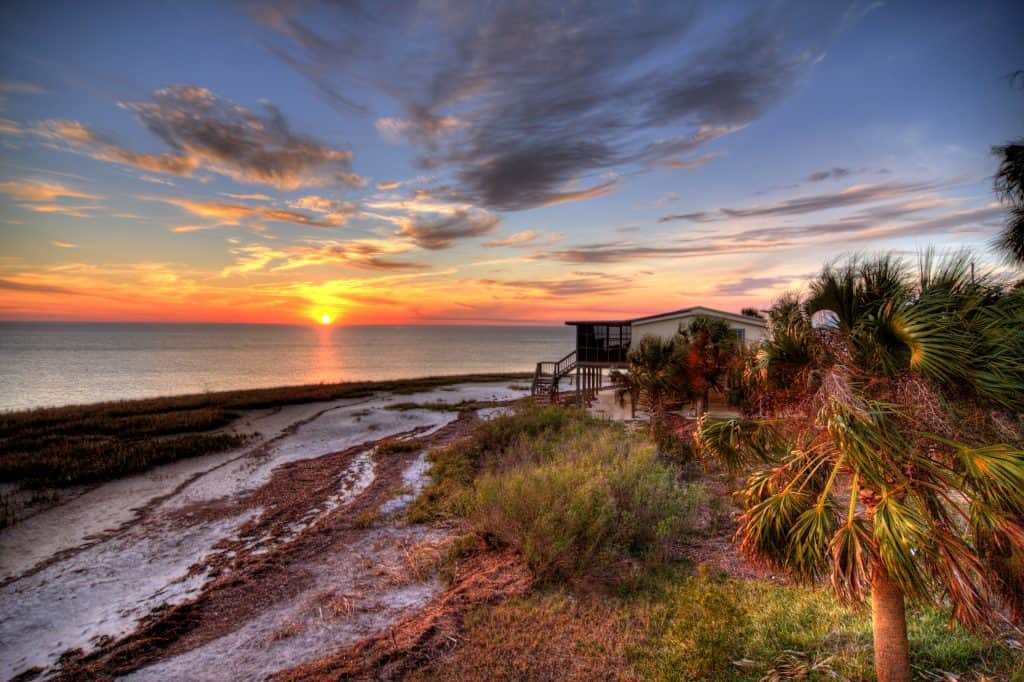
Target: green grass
(680, 624)
(78, 444)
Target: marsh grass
(440, 406)
(78, 444)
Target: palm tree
(1009, 186)
(711, 349)
(891, 443)
(654, 372)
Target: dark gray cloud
(694, 217)
(853, 196)
(204, 131)
(530, 103)
(832, 173)
(624, 252)
(442, 233)
(11, 285)
(864, 226)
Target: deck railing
(547, 374)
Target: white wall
(666, 328)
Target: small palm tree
(657, 371)
(711, 349)
(891, 441)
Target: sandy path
(236, 565)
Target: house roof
(682, 312)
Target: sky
(485, 163)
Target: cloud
(749, 285)
(155, 180)
(388, 185)
(442, 234)
(520, 100)
(39, 191)
(330, 207)
(16, 88)
(851, 196)
(20, 88)
(581, 284)
(686, 164)
(44, 197)
(624, 252)
(228, 214)
(247, 197)
(204, 131)
(12, 285)
(835, 173)
(63, 245)
(425, 130)
(524, 238)
(360, 254)
(694, 217)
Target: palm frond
(852, 549)
(807, 550)
(901, 534)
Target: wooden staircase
(547, 375)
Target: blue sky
(470, 162)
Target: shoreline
(313, 496)
(274, 396)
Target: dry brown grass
(554, 636)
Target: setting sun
(325, 319)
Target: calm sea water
(66, 363)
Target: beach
(276, 553)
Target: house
(605, 344)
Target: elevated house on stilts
(605, 344)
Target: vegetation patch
(578, 498)
(441, 406)
(78, 444)
(683, 625)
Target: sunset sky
(445, 162)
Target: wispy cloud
(439, 234)
(363, 254)
(851, 196)
(519, 101)
(35, 190)
(47, 197)
(228, 214)
(686, 164)
(204, 131)
(749, 285)
(13, 285)
(831, 174)
(527, 238)
(63, 245)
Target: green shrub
(453, 469)
(593, 504)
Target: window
(741, 334)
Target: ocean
(51, 363)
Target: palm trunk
(889, 621)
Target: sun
(326, 319)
